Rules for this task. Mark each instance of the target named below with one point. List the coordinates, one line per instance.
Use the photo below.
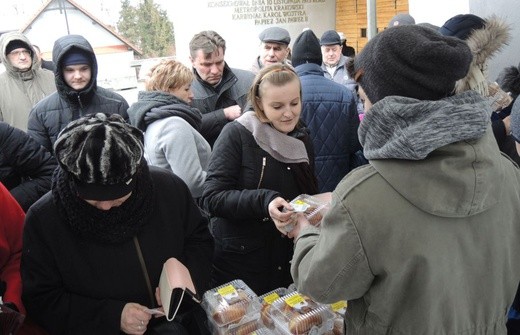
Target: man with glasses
(24, 83)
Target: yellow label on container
(294, 300)
(337, 306)
(228, 290)
(271, 297)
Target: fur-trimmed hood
(484, 43)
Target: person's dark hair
(509, 80)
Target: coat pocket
(242, 245)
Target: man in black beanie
(78, 93)
(409, 239)
(329, 110)
(24, 82)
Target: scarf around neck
(280, 146)
(114, 226)
(406, 128)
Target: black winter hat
(306, 49)
(330, 37)
(410, 61)
(462, 25)
(102, 152)
(509, 80)
(16, 44)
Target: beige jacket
(20, 91)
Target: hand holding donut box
(312, 206)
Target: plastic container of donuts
(297, 314)
(313, 207)
(266, 301)
(339, 308)
(253, 326)
(230, 304)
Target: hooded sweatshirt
(20, 91)
(425, 238)
(53, 113)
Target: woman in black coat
(260, 161)
(94, 246)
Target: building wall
(113, 57)
(351, 18)
(239, 23)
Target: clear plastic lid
(229, 303)
(312, 207)
(297, 314)
(266, 301)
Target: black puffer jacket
(25, 167)
(242, 180)
(53, 113)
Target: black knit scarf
(117, 225)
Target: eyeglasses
(19, 53)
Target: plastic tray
(230, 303)
(296, 314)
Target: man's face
(210, 68)
(272, 53)
(20, 59)
(331, 54)
(77, 76)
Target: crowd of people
(420, 165)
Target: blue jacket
(329, 111)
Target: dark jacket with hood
(53, 113)
(25, 167)
(211, 101)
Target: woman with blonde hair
(172, 139)
(258, 162)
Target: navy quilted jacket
(329, 111)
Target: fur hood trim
(484, 44)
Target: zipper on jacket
(264, 162)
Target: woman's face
(105, 205)
(184, 93)
(281, 105)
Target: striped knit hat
(103, 153)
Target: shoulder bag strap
(145, 271)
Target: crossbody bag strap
(145, 271)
